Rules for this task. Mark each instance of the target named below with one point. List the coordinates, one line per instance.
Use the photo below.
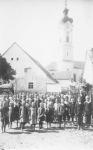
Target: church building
(67, 70)
(32, 76)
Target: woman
(11, 116)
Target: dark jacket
(79, 109)
(87, 108)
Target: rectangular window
(30, 85)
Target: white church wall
(26, 70)
(78, 73)
(64, 83)
(53, 88)
(88, 69)
(67, 65)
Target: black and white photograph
(46, 74)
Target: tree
(87, 87)
(6, 71)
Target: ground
(51, 139)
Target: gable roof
(35, 61)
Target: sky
(35, 26)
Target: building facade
(30, 74)
(88, 69)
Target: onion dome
(66, 18)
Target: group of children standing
(47, 108)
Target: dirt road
(51, 139)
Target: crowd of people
(49, 108)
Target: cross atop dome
(65, 3)
(65, 10)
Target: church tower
(67, 49)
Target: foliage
(87, 87)
(6, 71)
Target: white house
(30, 74)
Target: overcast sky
(34, 25)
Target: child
(41, 113)
(72, 110)
(79, 113)
(87, 111)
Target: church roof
(62, 75)
(78, 65)
(34, 60)
(52, 66)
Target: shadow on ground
(29, 130)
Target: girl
(33, 115)
(79, 113)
